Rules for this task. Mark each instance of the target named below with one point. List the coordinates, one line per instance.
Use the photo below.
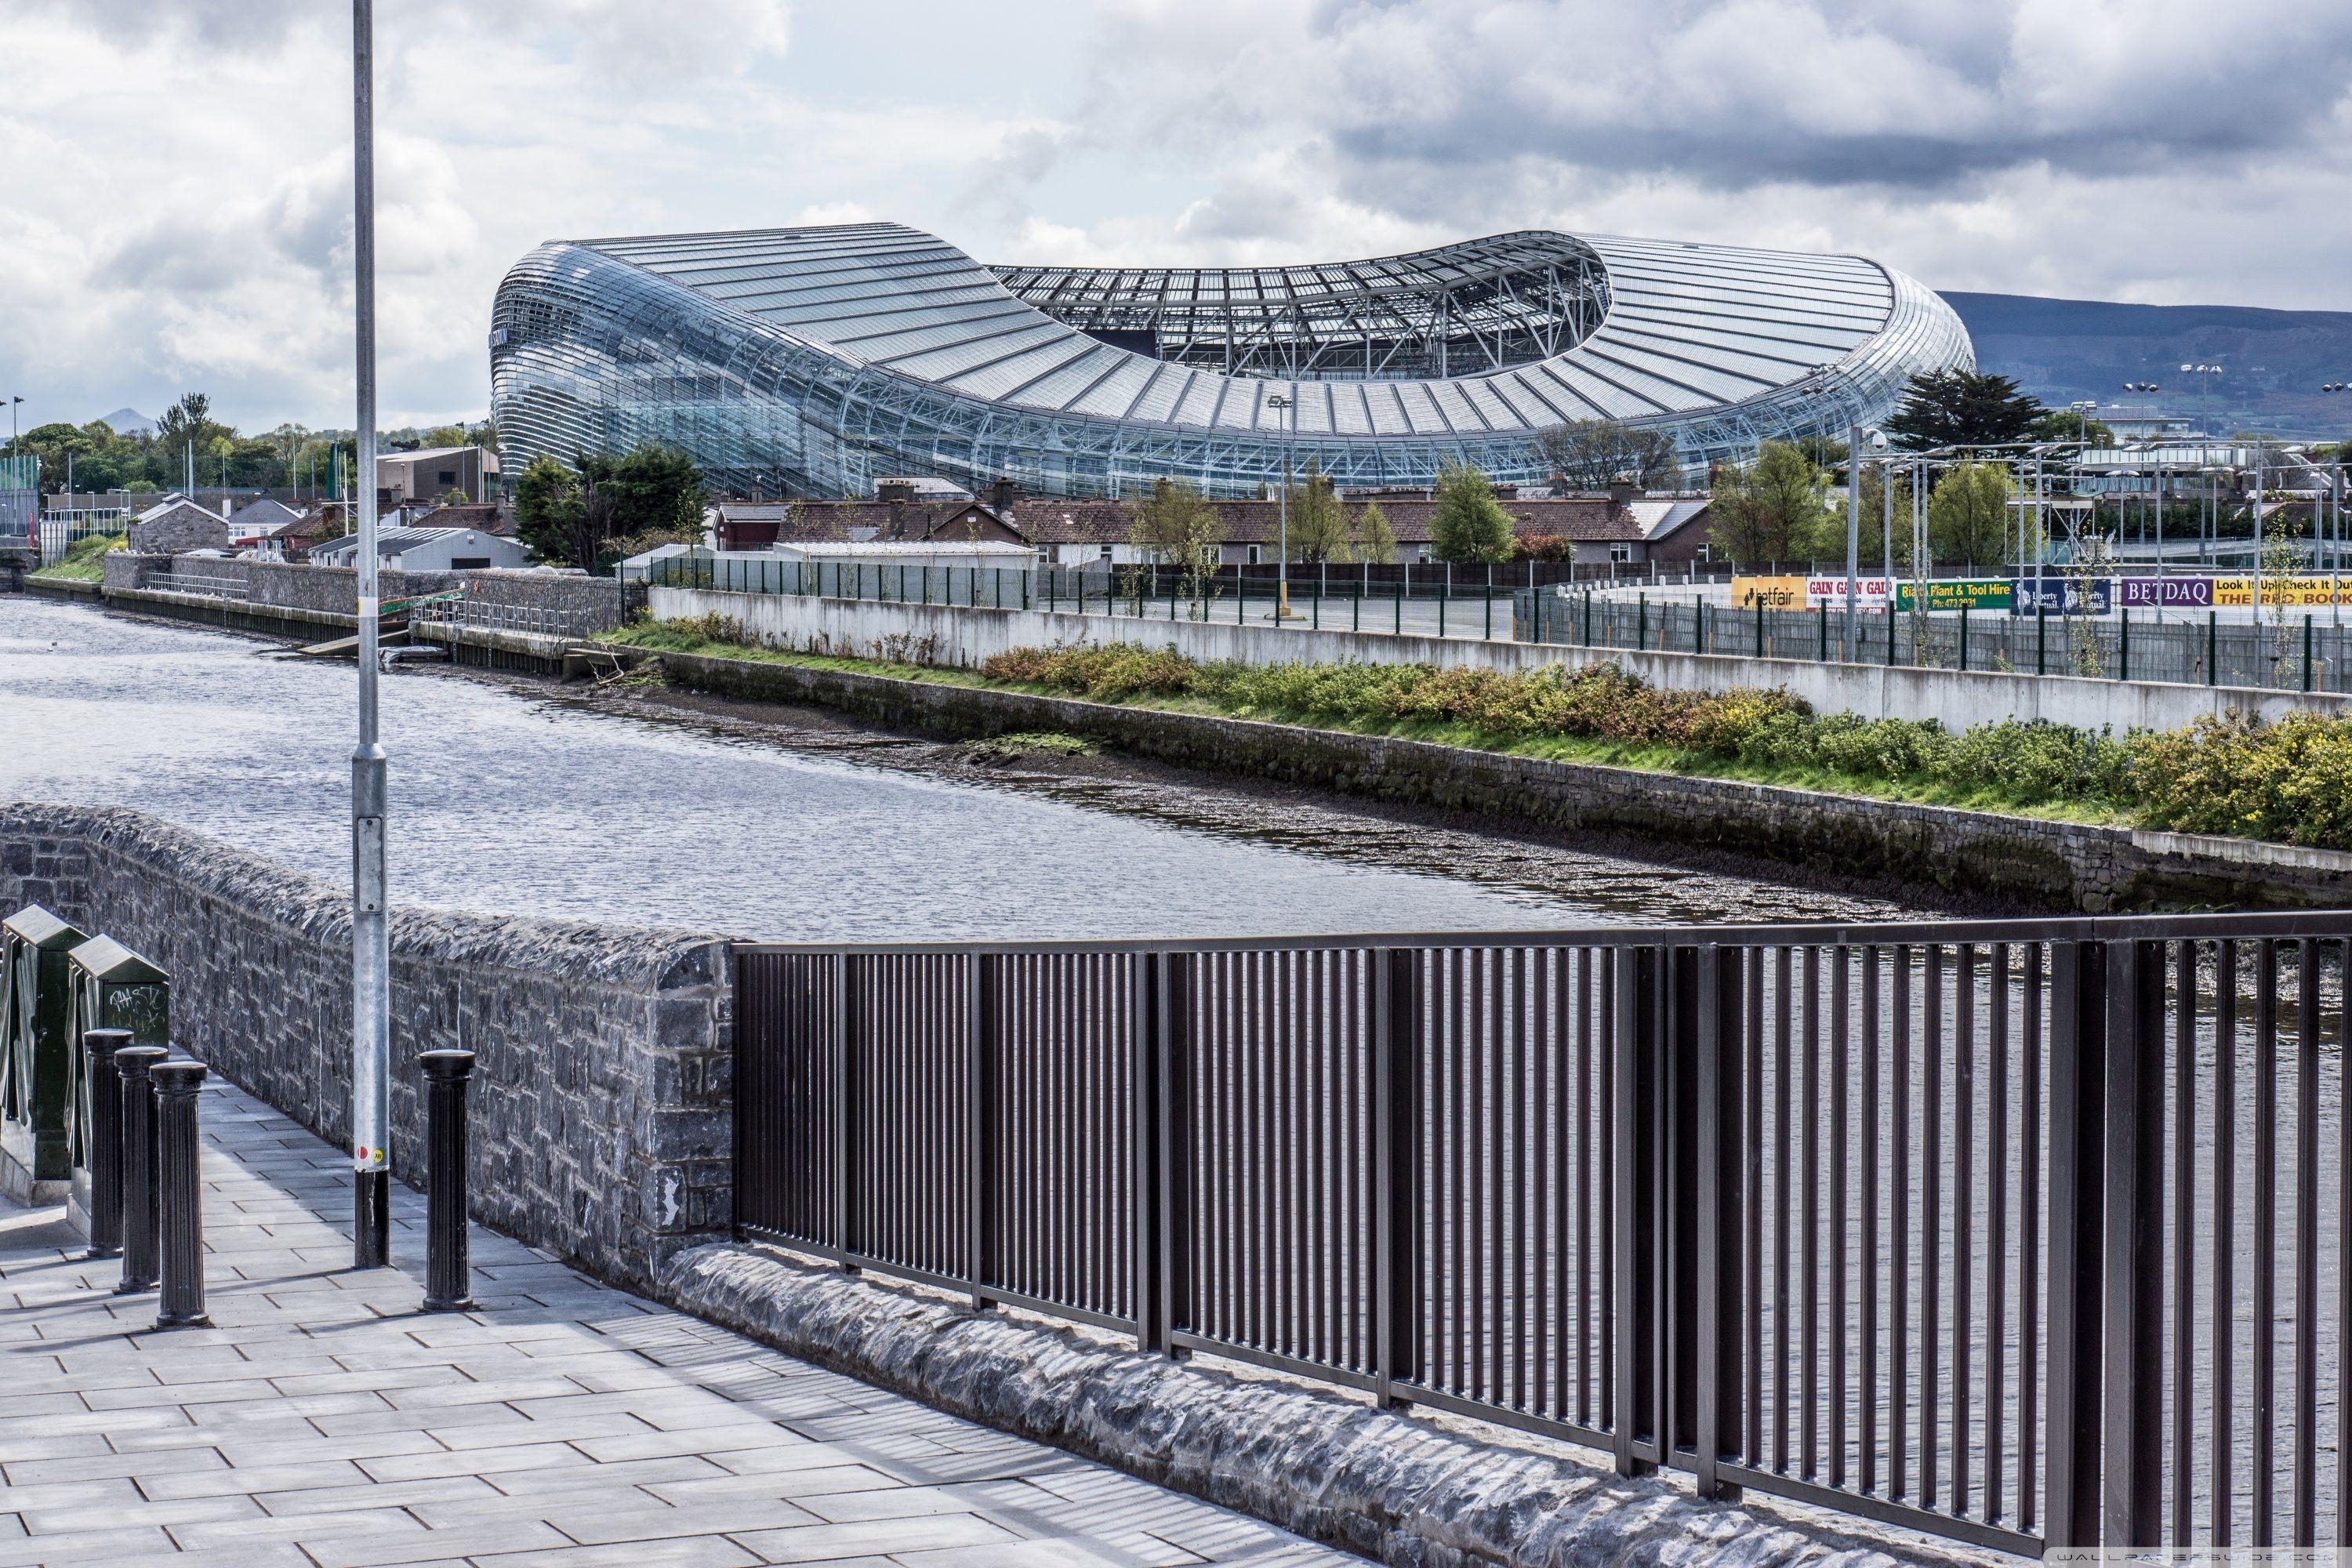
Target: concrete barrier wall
(964, 638)
(603, 1119)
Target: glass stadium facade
(814, 360)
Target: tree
(1319, 523)
(1181, 530)
(603, 506)
(1962, 408)
(1593, 454)
(2073, 425)
(652, 489)
(1774, 510)
(1375, 540)
(1969, 514)
(546, 495)
(1470, 526)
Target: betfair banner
(1772, 593)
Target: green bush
(2291, 781)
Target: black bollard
(105, 1134)
(448, 1275)
(183, 1302)
(134, 1066)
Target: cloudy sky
(175, 187)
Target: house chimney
(1004, 495)
(1623, 490)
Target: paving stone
(322, 1421)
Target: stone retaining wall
(1396, 1488)
(603, 1124)
(2060, 865)
(593, 604)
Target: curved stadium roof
(815, 359)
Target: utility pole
(370, 936)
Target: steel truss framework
(1484, 304)
(814, 360)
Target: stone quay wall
(602, 1102)
(2056, 865)
(593, 604)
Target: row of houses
(418, 536)
(1625, 525)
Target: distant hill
(129, 422)
(2275, 362)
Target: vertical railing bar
(1583, 1109)
(2032, 1348)
(1810, 1206)
(1898, 1293)
(1783, 1093)
(1997, 1178)
(1457, 1281)
(2132, 1188)
(1840, 1021)
(1526, 1226)
(1964, 1100)
(2306, 1241)
(1931, 1214)
(1608, 1104)
(1750, 1176)
(2264, 1321)
(2184, 1233)
(2077, 1260)
(2343, 1252)
(1871, 1147)
(2225, 1168)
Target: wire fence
(2285, 651)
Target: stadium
(814, 360)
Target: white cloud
(179, 179)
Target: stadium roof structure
(812, 361)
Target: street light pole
(1282, 565)
(1852, 534)
(371, 937)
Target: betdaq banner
(2167, 592)
(2061, 596)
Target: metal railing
(2016, 1232)
(208, 587)
(2299, 651)
(536, 620)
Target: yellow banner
(1772, 593)
(2292, 592)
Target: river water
(527, 799)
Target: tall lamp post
(371, 938)
(1854, 435)
(1288, 407)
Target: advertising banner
(2061, 596)
(2297, 593)
(1960, 594)
(2167, 592)
(1870, 592)
(1772, 593)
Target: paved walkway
(324, 1422)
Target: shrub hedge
(2290, 781)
